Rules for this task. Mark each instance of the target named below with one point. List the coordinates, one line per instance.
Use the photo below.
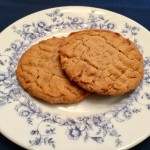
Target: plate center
(93, 104)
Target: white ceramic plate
(99, 122)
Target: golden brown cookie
(102, 61)
(40, 74)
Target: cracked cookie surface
(39, 72)
(102, 61)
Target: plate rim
(60, 7)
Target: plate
(100, 122)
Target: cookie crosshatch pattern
(107, 63)
(39, 72)
(95, 127)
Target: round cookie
(102, 61)
(40, 74)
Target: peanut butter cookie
(102, 61)
(40, 74)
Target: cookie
(40, 74)
(102, 61)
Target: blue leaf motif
(2, 103)
(98, 139)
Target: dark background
(12, 10)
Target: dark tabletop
(12, 10)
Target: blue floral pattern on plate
(94, 127)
